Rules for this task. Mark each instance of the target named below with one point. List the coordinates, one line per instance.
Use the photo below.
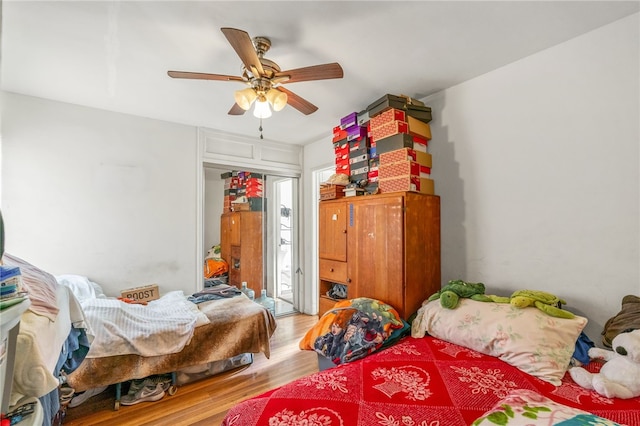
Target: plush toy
(546, 302)
(451, 293)
(619, 377)
(214, 253)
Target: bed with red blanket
(419, 381)
(480, 364)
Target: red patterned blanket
(419, 381)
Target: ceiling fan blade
(315, 72)
(236, 110)
(204, 76)
(297, 102)
(242, 44)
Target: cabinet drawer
(325, 304)
(333, 270)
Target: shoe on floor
(138, 384)
(148, 393)
(82, 397)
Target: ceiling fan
(264, 77)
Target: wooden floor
(205, 402)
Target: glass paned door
(284, 258)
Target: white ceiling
(115, 55)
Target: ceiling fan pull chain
(260, 128)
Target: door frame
(222, 150)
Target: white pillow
(81, 287)
(526, 338)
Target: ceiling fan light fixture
(277, 99)
(245, 97)
(262, 109)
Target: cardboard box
(143, 293)
(393, 142)
(358, 151)
(403, 168)
(406, 183)
(254, 192)
(349, 120)
(420, 112)
(341, 148)
(342, 161)
(391, 114)
(359, 167)
(388, 129)
(358, 158)
(404, 154)
(359, 171)
(330, 191)
(412, 107)
(343, 168)
(384, 103)
(257, 204)
(231, 183)
(420, 144)
(373, 152)
(358, 144)
(419, 128)
(363, 118)
(254, 181)
(356, 132)
(227, 175)
(240, 207)
(338, 134)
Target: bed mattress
(419, 381)
(237, 325)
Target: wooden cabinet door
(332, 238)
(235, 228)
(225, 237)
(422, 249)
(375, 236)
(251, 250)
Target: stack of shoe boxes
(351, 144)
(358, 142)
(230, 189)
(254, 190)
(393, 125)
(401, 133)
(243, 184)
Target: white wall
(213, 205)
(318, 155)
(537, 167)
(106, 195)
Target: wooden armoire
(241, 245)
(384, 246)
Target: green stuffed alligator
(546, 302)
(451, 293)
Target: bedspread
(237, 325)
(164, 326)
(419, 381)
